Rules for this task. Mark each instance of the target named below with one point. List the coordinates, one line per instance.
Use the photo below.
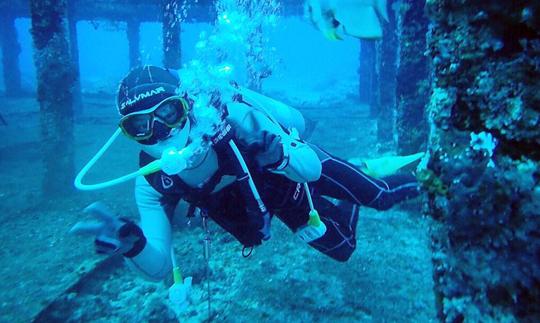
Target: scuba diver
(249, 167)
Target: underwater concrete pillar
(10, 54)
(74, 51)
(387, 81)
(375, 95)
(55, 81)
(482, 178)
(171, 34)
(412, 90)
(133, 36)
(366, 70)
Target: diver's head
(152, 111)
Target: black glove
(256, 231)
(270, 151)
(113, 235)
(266, 227)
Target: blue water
(308, 60)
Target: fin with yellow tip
(332, 34)
(385, 166)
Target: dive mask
(139, 125)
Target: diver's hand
(112, 234)
(266, 228)
(258, 229)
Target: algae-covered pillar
(366, 70)
(483, 173)
(375, 96)
(55, 80)
(412, 90)
(10, 53)
(74, 52)
(171, 34)
(387, 81)
(133, 36)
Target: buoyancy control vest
(231, 161)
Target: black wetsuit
(337, 194)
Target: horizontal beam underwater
(139, 10)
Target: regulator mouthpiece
(173, 161)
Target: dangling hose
(207, 259)
(252, 186)
(180, 289)
(315, 227)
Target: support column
(484, 149)
(366, 70)
(375, 97)
(133, 36)
(10, 58)
(387, 80)
(74, 51)
(412, 78)
(171, 34)
(55, 81)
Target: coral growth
(485, 147)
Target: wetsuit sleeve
(154, 260)
(299, 162)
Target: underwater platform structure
(56, 54)
(142, 10)
(466, 90)
(133, 12)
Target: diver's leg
(339, 240)
(400, 188)
(342, 180)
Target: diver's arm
(154, 259)
(298, 161)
